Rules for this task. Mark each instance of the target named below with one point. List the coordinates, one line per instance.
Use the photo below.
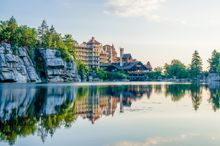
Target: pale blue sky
(154, 30)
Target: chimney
(121, 55)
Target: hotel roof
(93, 42)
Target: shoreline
(118, 83)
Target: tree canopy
(176, 70)
(43, 37)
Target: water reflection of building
(103, 101)
(94, 106)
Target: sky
(152, 30)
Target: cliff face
(56, 69)
(19, 67)
(16, 68)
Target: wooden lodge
(136, 70)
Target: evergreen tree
(52, 29)
(8, 31)
(42, 30)
(71, 45)
(214, 61)
(196, 65)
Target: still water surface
(122, 114)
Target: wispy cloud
(158, 140)
(134, 8)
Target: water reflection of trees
(41, 110)
(196, 95)
(176, 91)
(179, 91)
(215, 97)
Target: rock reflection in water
(36, 109)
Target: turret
(121, 55)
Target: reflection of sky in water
(149, 121)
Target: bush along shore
(44, 55)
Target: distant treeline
(178, 70)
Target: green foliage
(196, 65)
(49, 38)
(214, 62)
(117, 75)
(101, 74)
(42, 30)
(196, 95)
(83, 70)
(17, 36)
(44, 37)
(158, 69)
(70, 44)
(176, 70)
(154, 75)
(39, 65)
(176, 91)
(27, 37)
(8, 31)
(82, 93)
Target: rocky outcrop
(16, 67)
(58, 70)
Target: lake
(109, 114)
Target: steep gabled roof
(93, 42)
(128, 66)
(83, 45)
(127, 56)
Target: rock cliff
(16, 67)
(56, 69)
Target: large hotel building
(94, 54)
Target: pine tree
(214, 61)
(42, 30)
(196, 65)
